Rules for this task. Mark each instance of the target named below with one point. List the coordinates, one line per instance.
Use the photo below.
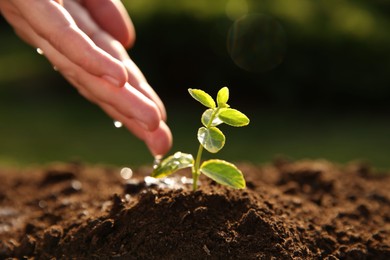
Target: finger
(131, 124)
(13, 17)
(52, 22)
(113, 18)
(159, 141)
(107, 43)
(137, 79)
(127, 100)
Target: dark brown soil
(290, 210)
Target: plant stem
(195, 169)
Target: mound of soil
(290, 210)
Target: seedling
(212, 139)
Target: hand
(86, 40)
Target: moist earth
(309, 209)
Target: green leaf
(207, 116)
(202, 97)
(212, 139)
(223, 97)
(224, 173)
(172, 164)
(233, 117)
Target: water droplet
(55, 68)
(150, 181)
(177, 155)
(40, 51)
(118, 124)
(177, 163)
(157, 160)
(169, 182)
(126, 173)
(186, 180)
(127, 197)
(76, 185)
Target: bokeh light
(257, 42)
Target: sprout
(212, 139)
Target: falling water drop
(118, 124)
(40, 51)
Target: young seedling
(212, 139)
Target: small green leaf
(233, 117)
(212, 139)
(202, 97)
(223, 97)
(172, 164)
(207, 116)
(224, 173)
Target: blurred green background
(313, 76)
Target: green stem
(195, 169)
(195, 172)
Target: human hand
(85, 40)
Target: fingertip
(143, 109)
(159, 141)
(148, 90)
(126, 36)
(113, 17)
(119, 74)
(129, 40)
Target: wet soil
(290, 210)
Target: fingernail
(112, 80)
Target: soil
(290, 210)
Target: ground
(290, 210)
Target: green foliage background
(329, 98)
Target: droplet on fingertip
(40, 51)
(55, 68)
(126, 173)
(118, 124)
